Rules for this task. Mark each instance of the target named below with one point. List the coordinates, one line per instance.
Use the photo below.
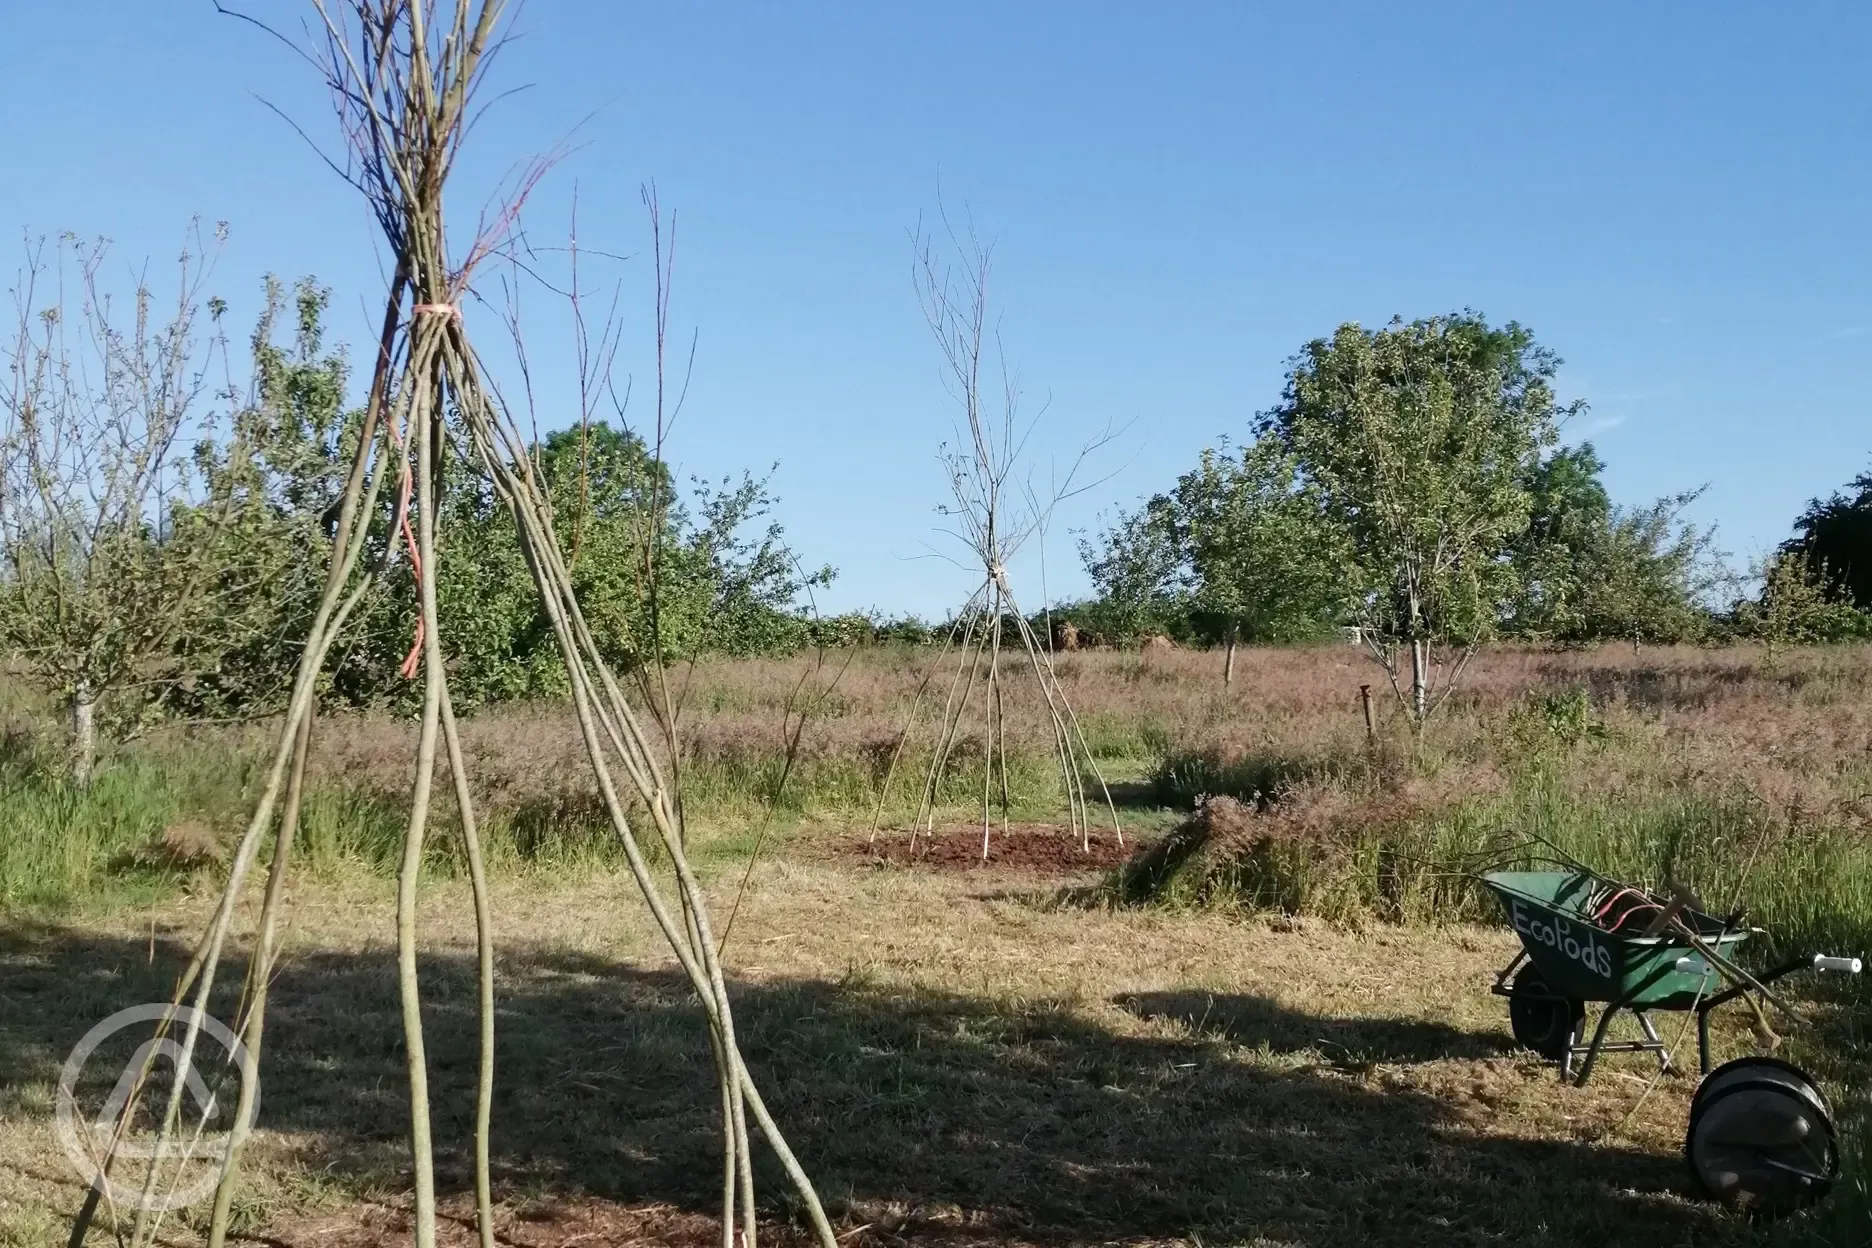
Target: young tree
(104, 566)
(1264, 555)
(1420, 438)
(1140, 571)
(1643, 575)
(277, 480)
(1800, 604)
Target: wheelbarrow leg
(1592, 1050)
(1501, 977)
(1572, 1046)
(1663, 1057)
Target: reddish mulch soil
(597, 1223)
(588, 1223)
(1037, 848)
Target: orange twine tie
(408, 668)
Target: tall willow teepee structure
(404, 75)
(993, 513)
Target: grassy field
(1275, 1033)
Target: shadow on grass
(1688, 688)
(1349, 1043)
(1140, 796)
(922, 1114)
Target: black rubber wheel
(1542, 1020)
(1756, 1068)
(1761, 1137)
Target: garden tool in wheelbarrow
(1761, 1132)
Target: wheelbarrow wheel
(1542, 1020)
(1761, 1137)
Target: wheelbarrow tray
(1578, 959)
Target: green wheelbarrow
(1761, 1134)
(1589, 939)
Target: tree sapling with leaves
(1420, 438)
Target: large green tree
(1590, 570)
(1421, 438)
(656, 572)
(1243, 548)
(1834, 538)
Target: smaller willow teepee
(404, 75)
(994, 515)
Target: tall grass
(1681, 760)
(1751, 787)
(59, 844)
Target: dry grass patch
(954, 1062)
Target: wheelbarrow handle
(1852, 966)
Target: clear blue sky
(1676, 197)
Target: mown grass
(951, 1066)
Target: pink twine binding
(408, 667)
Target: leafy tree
(1644, 575)
(1264, 556)
(1242, 547)
(1421, 438)
(278, 479)
(106, 561)
(1836, 533)
(718, 588)
(1139, 567)
(1567, 503)
(1589, 570)
(1800, 604)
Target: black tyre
(1756, 1068)
(1541, 1019)
(1761, 1137)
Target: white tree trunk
(84, 733)
(1228, 662)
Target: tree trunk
(1228, 662)
(84, 733)
(1419, 676)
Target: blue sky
(1675, 197)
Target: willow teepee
(403, 75)
(993, 513)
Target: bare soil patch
(595, 1223)
(1031, 848)
(600, 1223)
